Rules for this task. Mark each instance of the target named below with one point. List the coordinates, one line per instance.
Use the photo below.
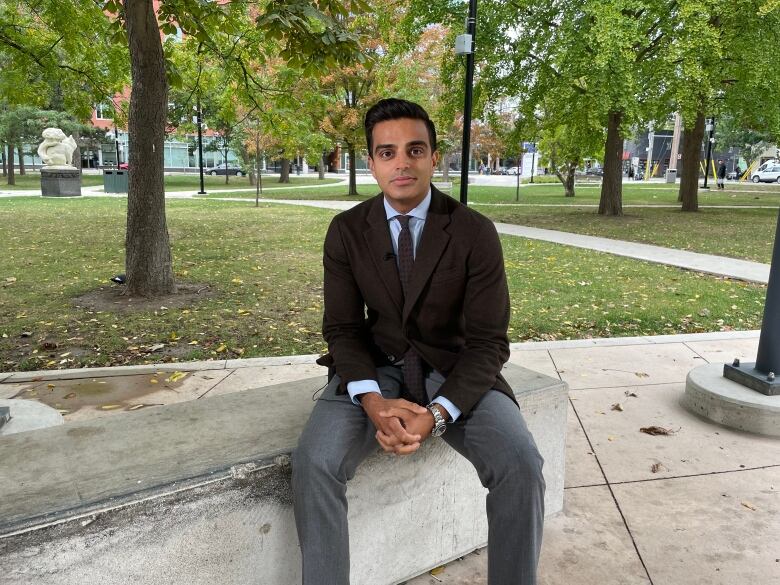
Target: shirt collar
(419, 212)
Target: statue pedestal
(60, 182)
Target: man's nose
(403, 161)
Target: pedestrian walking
(721, 174)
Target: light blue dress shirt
(416, 225)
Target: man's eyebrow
(407, 145)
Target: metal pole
(711, 129)
(116, 144)
(768, 359)
(762, 376)
(471, 28)
(533, 159)
(517, 168)
(200, 149)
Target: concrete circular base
(28, 415)
(709, 394)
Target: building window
(104, 111)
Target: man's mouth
(403, 180)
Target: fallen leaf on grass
(154, 381)
(70, 395)
(654, 430)
(617, 406)
(156, 347)
(11, 279)
(136, 406)
(437, 570)
(749, 506)
(175, 377)
(109, 406)
(50, 386)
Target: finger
(396, 412)
(407, 449)
(395, 426)
(406, 405)
(383, 442)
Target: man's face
(402, 162)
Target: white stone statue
(56, 150)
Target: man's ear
(435, 158)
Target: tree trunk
(148, 263)
(284, 176)
(322, 167)
(20, 152)
(568, 185)
(611, 202)
(75, 159)
(2, 156)
(352, 177)
(445, 171)
(691, 153)
(11, 177)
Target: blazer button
(390, 358)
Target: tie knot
(403, 220)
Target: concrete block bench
(199, 493)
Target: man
(416, 314)
(721, 174)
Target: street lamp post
(710, 128)
(464, 45)
(200, 148)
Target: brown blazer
(457, 312)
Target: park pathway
(708, 263)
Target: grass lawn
(32, 180)
(264, 267)
(738, 233)
(192, 181)
(549, 194)
(188, 182)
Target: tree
(721, 68)
(308, 32)
(24, 125)
(598, 59)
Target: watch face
(438, 430)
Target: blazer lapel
(380, 248)
(430, 248)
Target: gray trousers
(493, 437)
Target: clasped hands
(401, 425)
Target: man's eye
(417, 152)
(385, 154)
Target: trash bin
(121, 181)
(671, 175)
(109, 181)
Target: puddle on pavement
(103, 394)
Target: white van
(769, 172)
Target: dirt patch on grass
(113, 299)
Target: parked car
(767, 173)
(595, 171)
(513, 170)
(237, 171)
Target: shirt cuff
(362, 387)
(451, 408)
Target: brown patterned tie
(412, 367)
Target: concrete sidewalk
(700, 506)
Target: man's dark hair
(394, 109)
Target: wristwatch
(440, 425)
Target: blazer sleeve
(344, 325)
(486, 315)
